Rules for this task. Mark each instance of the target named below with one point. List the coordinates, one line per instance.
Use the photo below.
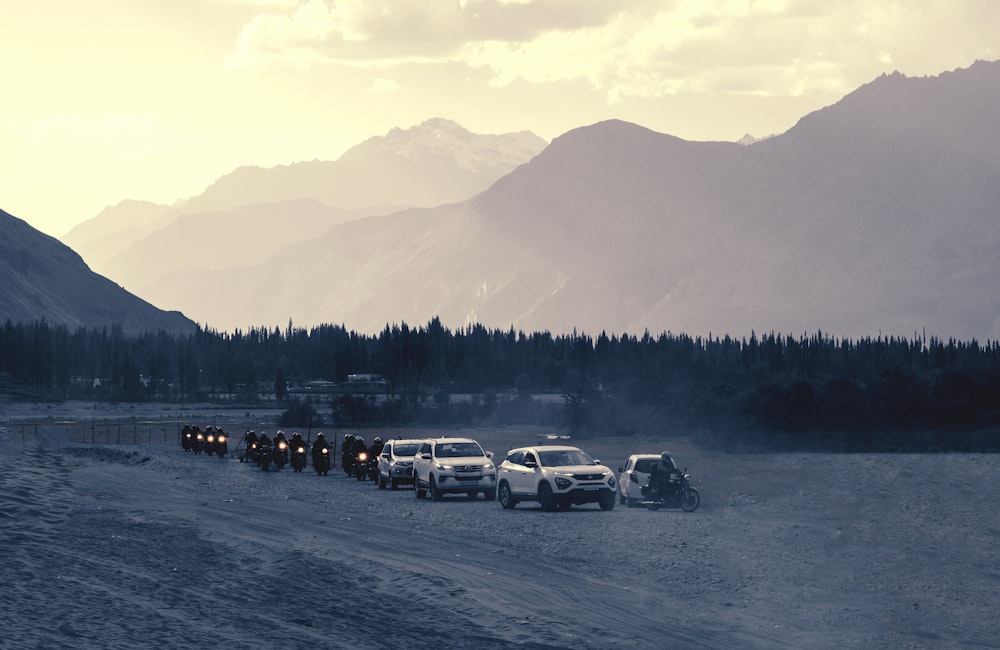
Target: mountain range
(879, 214)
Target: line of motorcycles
(212, 441)
(278, 453)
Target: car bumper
(465, 484)
(580, 495)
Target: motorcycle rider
(347, 453)
(250, 438)
(376, 448)
(659, 475)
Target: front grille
(468, 468)
(588, 477)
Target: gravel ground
(145, 546)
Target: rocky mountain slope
(43, 279)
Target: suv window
(516, 457)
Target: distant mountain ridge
(430, 164)
(43, 279)
(879, 214)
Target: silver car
(395, 463)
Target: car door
(527, 473)
(421, 465)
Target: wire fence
(116, 430)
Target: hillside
(43, 279)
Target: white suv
(555, 476)
(453, 465)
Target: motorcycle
(187, 439)
(365, 467)
(209, 442)
(264, 454)
(347, 461)
(321, 462)
(198, 444)
(298, 458)
(221, 444)
(280, 454)
(680, 494)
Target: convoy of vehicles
(556, 477)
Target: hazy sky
(105, 100)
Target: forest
(806, 391)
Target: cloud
(647, 48)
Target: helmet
(319, 435)
(359, 439)
(377, 440)
(348, 436)
(665, 456)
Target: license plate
(591, 487)
(469, 478)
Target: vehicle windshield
(564, 457)
(458, 450)
(645, 465)
(406, 450)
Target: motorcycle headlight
(221, 439)
(211, 439)
(301, 450)
(362, 457)
(282, 446)
(324, 450)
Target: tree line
(810, 390)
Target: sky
(108, 100)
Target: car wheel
(381, 482)
(607, 501)
(545, 497)
(393, 484)
(420, 493)
(433, 489)
(504, 496)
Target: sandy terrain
(125, 546)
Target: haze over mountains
(878, 214)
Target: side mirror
(426, 455)
(489, 455)
(597, 461)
